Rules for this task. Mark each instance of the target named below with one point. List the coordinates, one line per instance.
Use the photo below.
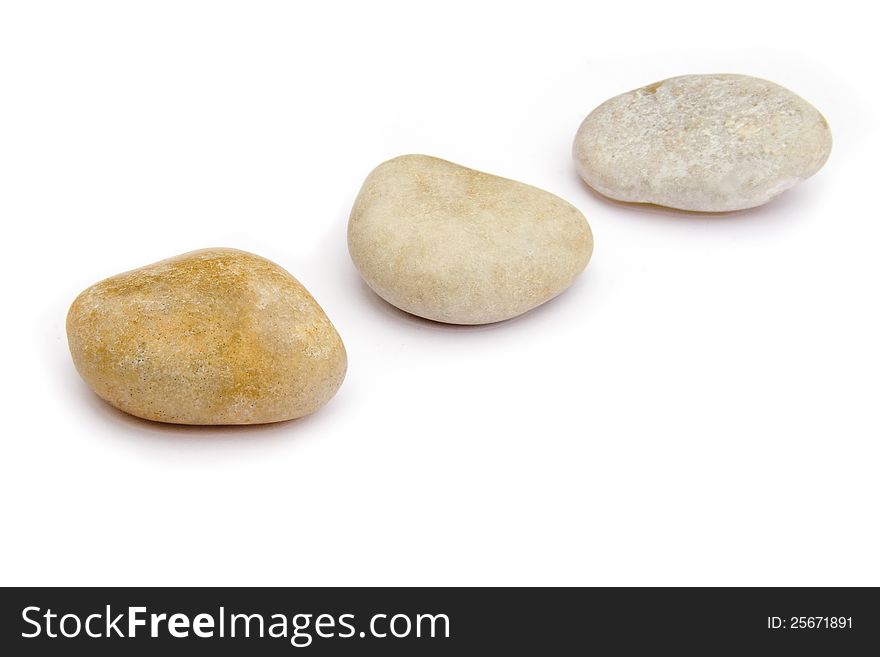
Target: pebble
(460, 246)
(706, 143)
(216, 336)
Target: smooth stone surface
(707, 143)
(217, 336)
(456, 245)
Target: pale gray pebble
(706, 143)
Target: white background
(699, 408)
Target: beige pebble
(217, 336)
(456, 245)
(707, 143)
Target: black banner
(445, 621)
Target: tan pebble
(456, 245)
(217, 336)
